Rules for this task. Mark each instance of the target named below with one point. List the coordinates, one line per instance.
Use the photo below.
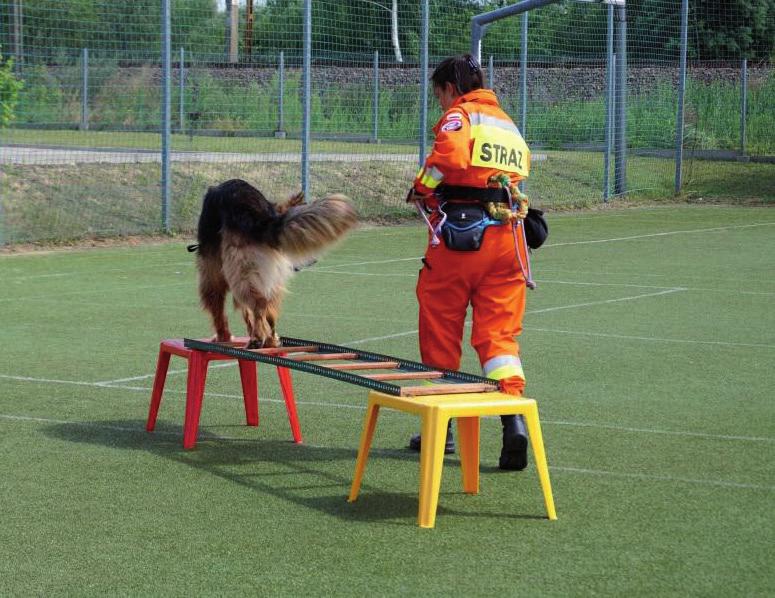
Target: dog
(251, 247)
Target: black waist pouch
(536, 228)
(464, 227)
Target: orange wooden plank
(279, 350)
(364, 365)
(446, 389)
(323, 356)
(405, 376)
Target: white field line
(91, 272)
(650, 286)
(660, 478)
(610, 240)
(396, 275)
(117, 382)
(662, 234)
(654, 339)
(573, 424)
(100, 291)
(415, 331)
(554, 468)
(734, 291)
(367, 263)
(598, 273)
(604, 301)
(591, 241)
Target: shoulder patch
(452, 125)
(454, 116)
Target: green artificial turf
(648, 344)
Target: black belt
(475, 194)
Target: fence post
(84, 89)
(523, 87)
(491, 74)
(307, 76)
(280, 132)
(609, 104)
(166, 60)
(743, 103)
(18, 36)
(375, 103)
(620, 161)
(679, 117)
(182, 91)
(423, 79)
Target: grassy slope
(67, 201)
(93, 505)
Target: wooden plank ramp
(344, 363)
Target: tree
(9, 92)
(735, 28)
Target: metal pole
(375, 103)
(424, 79)
(182, 91)
(523, 86)
(227, 28)
(307, 94)
(609, 104)
(743, 103)
(84, 89)
(477, 32)
(679, 117)
(232, 15)
(249, 29)
(491, 73)
(234, 35)
(479, 21)
(18, 35)
(620, 165)
(166, 59)
(280, 132)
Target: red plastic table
(195, 386)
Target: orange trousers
(491, 281)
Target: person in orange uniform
(475, 140)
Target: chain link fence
(82, 92)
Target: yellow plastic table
(435, 412)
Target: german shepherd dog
(251, 246)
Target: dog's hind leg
(272, 314)
(212, 293)
(262, 333)
(254, 306)
(247, 316)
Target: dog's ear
(293, 200)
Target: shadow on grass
(271, 464)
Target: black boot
(415, 442)
(514, 451)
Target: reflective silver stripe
(500, 361)
(477, 118)
(434, 173)
(432, 177)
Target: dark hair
(462, 71)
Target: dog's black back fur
(240, 208)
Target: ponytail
(462, 71)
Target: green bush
(9, 92)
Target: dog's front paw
(225, 337)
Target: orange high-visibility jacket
(475, 139)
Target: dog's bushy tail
(307, 229)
